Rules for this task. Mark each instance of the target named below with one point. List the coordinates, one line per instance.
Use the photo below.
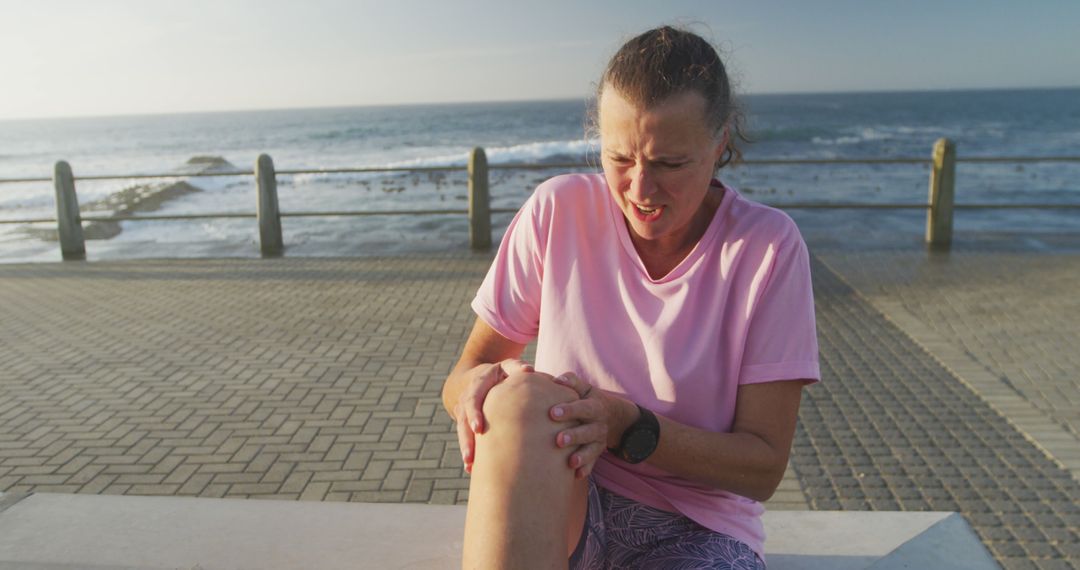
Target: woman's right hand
(469, 411)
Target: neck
(662, 255)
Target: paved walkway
(893, 429)
(309, 379)
(318, 379)
(1006, 322)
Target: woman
(678, 318)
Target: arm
(486, 360)
(750, 461)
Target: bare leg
(526, 510)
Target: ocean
(845, 125)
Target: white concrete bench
(52, 531)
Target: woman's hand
(602, 416)
(469, 411)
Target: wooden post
(939, 219)
(68, 220)
(270, 241)
(479, 201)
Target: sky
(61, 58)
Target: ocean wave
(94, 193)
(879, 133)
(787, 134)
(836, 141)
(906, 130)
(867, 134)
(343, 134)
(544, 152)
(28, 201)
(528, 153)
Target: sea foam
(527, 153)
(543, 152)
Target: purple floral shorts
(623, 533)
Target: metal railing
(939, 206)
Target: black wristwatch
(640, 439)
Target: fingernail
(557, 411)
(564, 439)
(476, 425)
(561, 379)
(575, 461)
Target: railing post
(270, 241)
(939, 219)
(68, 220)
(479, 201)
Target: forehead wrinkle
(624, 125)
(632, 135)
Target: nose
(642, 185)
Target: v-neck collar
(703, 244)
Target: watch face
(639, 445)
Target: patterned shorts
(623, 533)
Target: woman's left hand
(596, 410)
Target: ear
(721, 147)
(723, 143)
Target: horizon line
(508, 101)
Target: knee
(525, 399)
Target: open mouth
(647, 213)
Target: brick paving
(891, 429)
(290, 379)
(1015, 314)
(318, 379)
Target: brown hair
(667, 61)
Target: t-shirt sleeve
(781, 341)
(509, 298)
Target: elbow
(759, 492)
(765, 492)
(757, 484)
(768, 480)
(769, 472)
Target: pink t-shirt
(738, 310)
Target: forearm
(742, 463)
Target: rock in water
(138, 198)
(206, 164)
